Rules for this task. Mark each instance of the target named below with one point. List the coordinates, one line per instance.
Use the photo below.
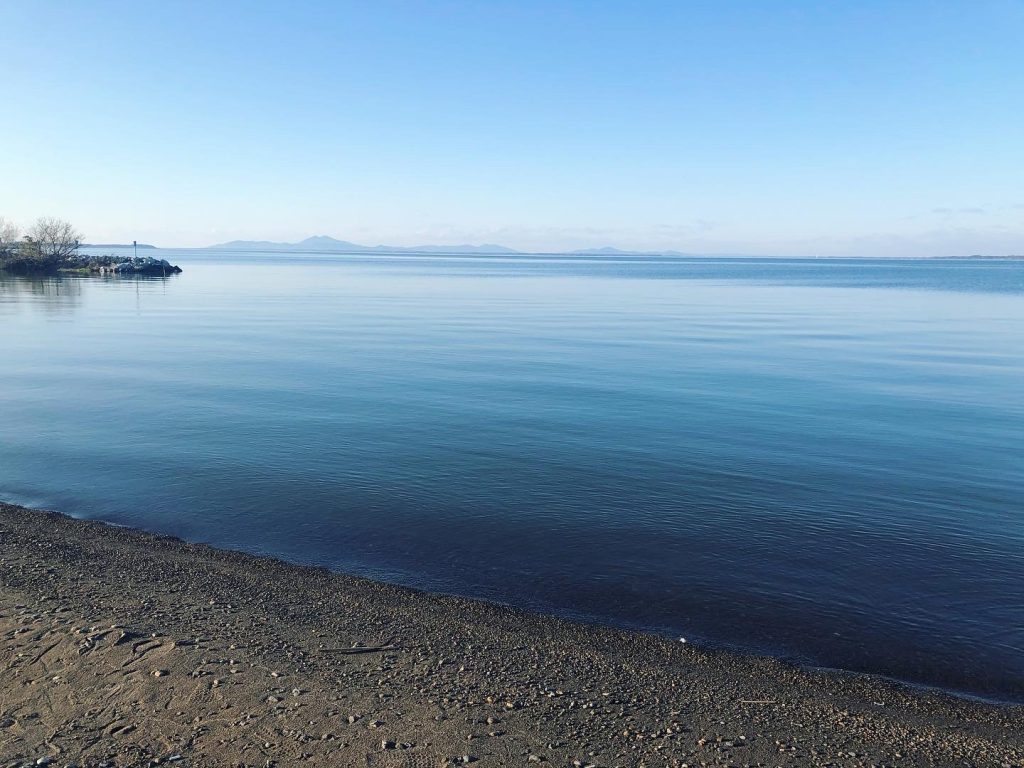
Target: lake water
(822, 460)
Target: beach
(121, 648)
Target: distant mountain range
(329, 244)
(324, 244)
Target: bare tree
(54, 239)
(8, 237)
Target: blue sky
(804, 128)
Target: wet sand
(121, 648)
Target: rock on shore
(125, 649)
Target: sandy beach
(121, 648)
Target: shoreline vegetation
(51, 247)
(124, 648)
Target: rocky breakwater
(113, 265)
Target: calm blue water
(822, 460)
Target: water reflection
(62, 294)
(58, 295)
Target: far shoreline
(285, 249)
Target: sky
(870, 128)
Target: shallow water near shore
(818, 459)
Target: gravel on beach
(122, 648)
